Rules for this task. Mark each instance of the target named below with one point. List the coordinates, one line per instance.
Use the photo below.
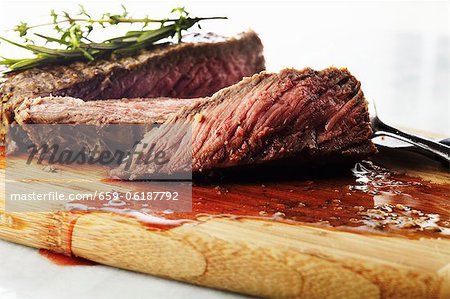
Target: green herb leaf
(72, 34)
(22, 29)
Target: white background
(399, 50)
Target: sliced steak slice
(185, 70)
(72, 123)
(299, 115)
(68, 110)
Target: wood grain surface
(249, 255)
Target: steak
(185, 70)
(68, 110)
(72, 123)
(292, 115)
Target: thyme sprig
(73, 36)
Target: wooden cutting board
(289, 235)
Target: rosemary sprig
(73, 37)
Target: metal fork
(434, 149)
